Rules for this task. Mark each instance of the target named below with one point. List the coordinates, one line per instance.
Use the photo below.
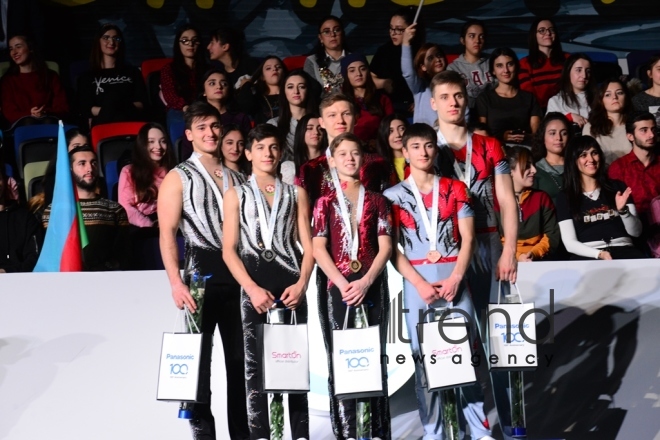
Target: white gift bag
(356, 361)
(447, 362)
(179, 377)
(284, 354)
(513, 351)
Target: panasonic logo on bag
(498, 325)
(180, 357)
(357, 351)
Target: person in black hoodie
(20, 234)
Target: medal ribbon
(267, 228)
(464, 177)
(430, 225)
(345, 216)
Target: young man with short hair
(434, 223)
(265, 220)
(105, 221)
(480, 163)
(191, 199)
(640, 169)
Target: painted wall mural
(288, 27)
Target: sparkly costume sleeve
(384, 216)
(321, 226)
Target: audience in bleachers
(259, 97)
(512, 114)
(541, 69)
(471, 64)
(386, 74)
(112, 91)
(389, 143)
(538, 233)
(30, 88)
(548, 148)
(371, 104)
(597, 216)
(324, 64)
(21, 236)
(296, 100)
(429, 60)
(105, 221)
(181, 79)
(575, 93)
(218, 92)
(139, 181)
(649, 99)
(607, 120)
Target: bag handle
(428, 307)
(499, 292)
(187, 316)
(348, 309)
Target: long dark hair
(182, 73)
(519, 157)
(572, 175)
(539, 150)
(257, 80)
(300, 149)
(566, 91)
(228, 101)
(143, 168)
(536, 57)
(37, 64)
(420, 58)
(383, 137)
(601, 124)
(371, 100)
(243, 163)
(319, 49)
(310, 103)
(648, 67)
(96, 55)
(504, 52)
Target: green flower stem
(517, 399)
(449, 414)
(276, 417)
(197, 288)
(363, 406)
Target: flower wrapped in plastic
(517, 385)
(277, 417)
(450, 414)
(197, 288)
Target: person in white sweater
(575, 95)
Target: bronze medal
(355, 266)
(433, 256)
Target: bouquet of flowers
(197, 288)
(450, 414)
(517, 386)
(276, 417)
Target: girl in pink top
(139, 182)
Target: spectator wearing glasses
(180, 79)
(324, 64)
(112, 91)
(540, 71)
(471, 64)
(386, 74)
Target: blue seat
(35, 143)
(111, 179)
(602, 57)
(9, 171)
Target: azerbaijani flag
(66, 234)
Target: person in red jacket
(540, 71)
(30, 88)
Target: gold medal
(433, 256)
(355, 266)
